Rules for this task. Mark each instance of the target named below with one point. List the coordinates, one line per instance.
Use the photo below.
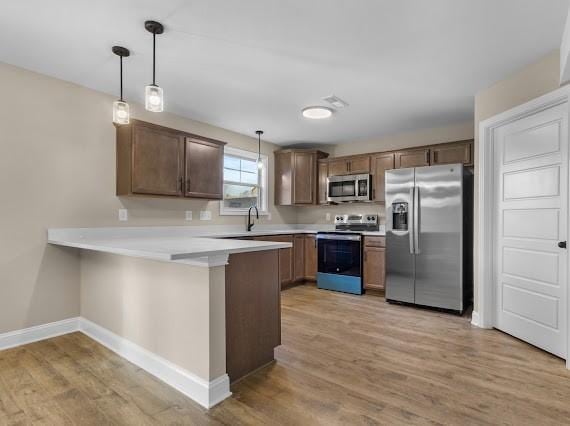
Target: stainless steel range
(340, 253)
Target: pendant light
(259, 162)
(153, 96)
(120, 107)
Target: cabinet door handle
(181, 185)
(427, 156)
(187, 184)
(435, 157)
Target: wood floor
(345, 359)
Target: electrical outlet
(205, 215)
(328, 217)
(123, 215)
(268, 216)
(188, 214)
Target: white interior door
(531, 218)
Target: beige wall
(57, 169)
(173, 310)
(454, 132)
(535, 80)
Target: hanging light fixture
(153, 96)
(120, 107)
(259, 162)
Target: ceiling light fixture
(317, 112)
(259, 162)
(153, 96)
(121, 108)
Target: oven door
(339, 262)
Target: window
(245, 185)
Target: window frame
(263, 179)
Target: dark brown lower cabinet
(253, 311)
(299, 256)
(298, 263)
(286, 258)
(374, 270)
(311, 257)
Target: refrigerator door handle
(411, 224)
(417, 220)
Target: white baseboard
(475, 319)
(37, 333)
(203, 392)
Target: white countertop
(176, 243)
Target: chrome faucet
(249, 222)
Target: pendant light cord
(154, 59)
(121, 79)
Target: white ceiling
(248, 64)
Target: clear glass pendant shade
(121, 112)
(153, 97)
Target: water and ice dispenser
(400, 216)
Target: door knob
(562, 244)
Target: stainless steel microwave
(350, 188)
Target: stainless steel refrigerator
(429, 228)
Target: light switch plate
(188, 214)
(205, 215)
(328, 217)
(123, 215)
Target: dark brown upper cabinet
(304, 177)
(322, 175)
(349, 165)
(454, 152)
(158, 161)
(358, 165)
(380, 163)
(204, 168)
(338, 167)
(412, 158)
(296, 176)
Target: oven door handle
(338, 237)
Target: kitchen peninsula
(181, 305)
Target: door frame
(484, 317)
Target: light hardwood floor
(344, 360)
